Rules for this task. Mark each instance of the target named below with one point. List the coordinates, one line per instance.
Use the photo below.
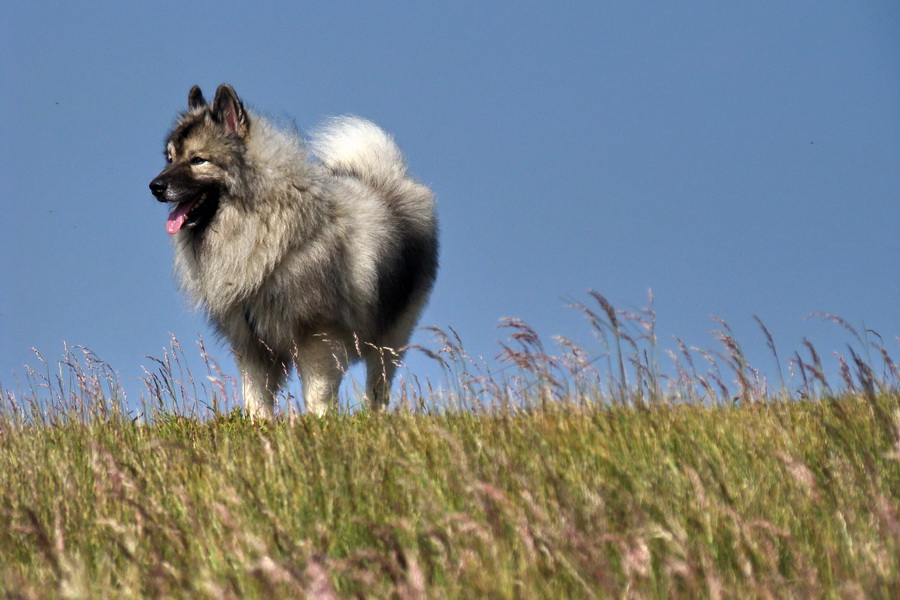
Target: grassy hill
(560, 481)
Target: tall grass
(565, 474)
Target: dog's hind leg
(381, 364)
(383, 357)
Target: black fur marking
(410, 271)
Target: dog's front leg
(260, 380)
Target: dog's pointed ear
(195, 98)
(228, 110)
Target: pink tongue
(178, 216)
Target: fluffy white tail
(353, 146)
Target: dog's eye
(197, 161)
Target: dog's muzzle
(159, 187)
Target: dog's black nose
(159, 186)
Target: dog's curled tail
(353, 146)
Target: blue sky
(737, 159)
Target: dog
(308, 253)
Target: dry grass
(571, 476)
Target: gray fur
(300, 254)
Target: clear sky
(737, 159)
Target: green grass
(631, 486)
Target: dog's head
(204, 152)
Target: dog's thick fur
(307, 254)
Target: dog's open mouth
(190, 213)
(179, 215)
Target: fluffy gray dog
(308, 254)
